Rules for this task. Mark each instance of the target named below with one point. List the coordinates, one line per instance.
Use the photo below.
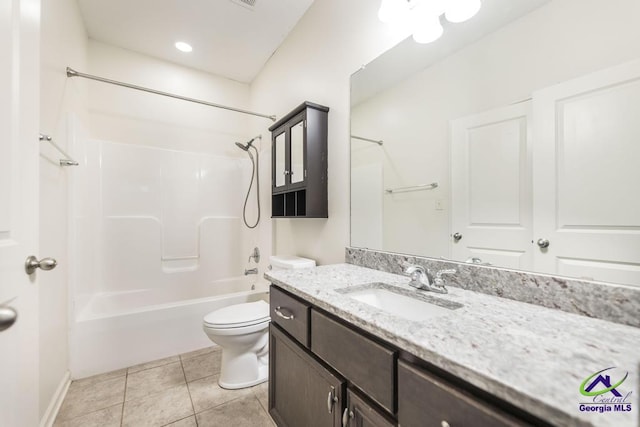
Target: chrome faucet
(421, 278)
(248, 271)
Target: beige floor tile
(108, 417)
(243, 412)
(202, 366)
(153, 364)
(200, 352)
(84, 398)
(158, 409)
(206, 393)
(100, 377)
(261, 391)
(185, 422)
(154, 380)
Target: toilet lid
(236, 316)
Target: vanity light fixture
(423, 16)
(183, 47)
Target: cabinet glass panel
(297, 152)
(280, 159)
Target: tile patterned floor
(179, 391)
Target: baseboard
(56, 401)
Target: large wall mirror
(513, 141)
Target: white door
(587, 176)
(19, 40)
(491, 187)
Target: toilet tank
(289, 262)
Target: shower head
(246, 146)
(242, 146)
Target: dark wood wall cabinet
(324, 371)
(299, 163)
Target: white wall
(129, 116)
(332, 40)
(562, 40)
(63, 41)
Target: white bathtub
(117, 330)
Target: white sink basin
(398, 304)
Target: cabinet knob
(345, 417)
(279, 312)
(331, 399)
(457, 237)
(285, 173)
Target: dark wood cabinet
(427, 400)
(357, 359)
(301, 391)
(291, 314)
(323, 369)
(359, 413)
(299, 163)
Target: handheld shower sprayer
(249, 144)
(254, 174)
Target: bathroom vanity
(342, 354)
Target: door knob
(543, 243)
(457, 237)
(8, 317)
(32, 263)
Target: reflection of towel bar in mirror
(67, 161)
(412, 188)
(361, 138)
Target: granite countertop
(530, 356)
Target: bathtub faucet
(248, 271)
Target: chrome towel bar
(412, 188)
(67, 161)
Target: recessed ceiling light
(183, 47)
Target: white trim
(56, 401)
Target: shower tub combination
(117, 330)
(158, 242)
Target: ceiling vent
(247, 4)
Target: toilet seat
(238, 316)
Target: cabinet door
(359, 413)
(301, 391)
(297, 139)
(280, 170)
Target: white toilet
(242, 332)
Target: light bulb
(183, 47)
(426, 24)
(392, 10)
(462, 10)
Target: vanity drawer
(363, 362)
(291, 314)
(425, 400)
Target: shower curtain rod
(73, 73)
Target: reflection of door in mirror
(491, 187)
(586, 176)
(280, 167)
(297, 152)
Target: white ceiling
(409, 57)
(229, 38)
